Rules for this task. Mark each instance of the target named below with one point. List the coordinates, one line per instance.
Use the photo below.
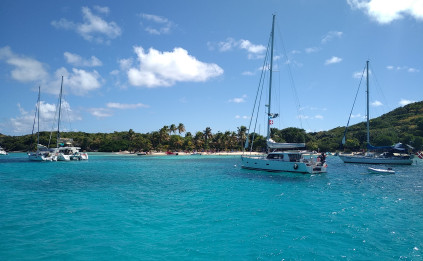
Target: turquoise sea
(120, 207)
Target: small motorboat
(381, 171)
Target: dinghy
(381, 171)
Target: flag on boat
(270, 122)
(420, 154)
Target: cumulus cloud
(331, 35)
(386, 11)
(238, 100)
(404, 102)
(77, 60)
(23, 123)
(254, 51)
(157, 24)
(376, 103)
(157, 68)
(116, 105)
(333, 60)
(93, 28)
(78, 81)
(25, 69)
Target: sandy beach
(223, 153)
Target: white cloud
(386, 11)
(78, 81)
(227, 45)
(333, 60)
(102, 9)
(241, 117)
(94, 28)
(376, 103)
(161, 25)
(401, 68)
(238, 100)
(77, 60)
(251, 48)
(412, 70)
(248, 73)
(100, 112)
(320, 117)
(116, 105)
(25, 69)
(404, 102)
(157, 68)
(331, 35)
(23, 123)
(312, 49)
(254, 51)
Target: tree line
(404, 124)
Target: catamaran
(43, 153)
(396, 154)
(65, 151)
(293, 157)
(2, 151)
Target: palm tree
(181, 128)
(164, 134)
(242, 135)
(207, 135)
(198, 140)
(172, 128)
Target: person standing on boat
(322, 158)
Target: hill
(404, 124)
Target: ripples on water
(207, 208)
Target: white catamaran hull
(375, 160)
(39, 157)
(261, 163)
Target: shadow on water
(277, 176)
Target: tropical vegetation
(404, 124)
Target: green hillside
(404, 124)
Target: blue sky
(144, 64)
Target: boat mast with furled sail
(396, 154)
(290, 159)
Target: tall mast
(270, 79)
(38, 117)
(60, 107)
(368, 123)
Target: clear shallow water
(205, 208)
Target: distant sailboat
(291, 159)
(43, 153)
(65, 151)
(396, 154)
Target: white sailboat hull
(375, 160)
(63, 157)
(40, 157)
(262, 163)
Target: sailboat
(65, 151)
(282, 157)
(396, 154)
(2, 151)
(43, 153)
